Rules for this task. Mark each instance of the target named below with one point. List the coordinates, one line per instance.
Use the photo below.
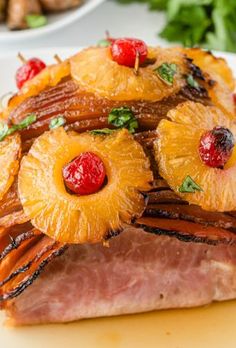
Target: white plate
(206, 327)
(55, 22)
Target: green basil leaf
(25, 122)
(189, 186)
(166, 72)
(103, 131)
(123, 117)
(6, 130)
(192, 82)
(36, 21)
(11, 130)
(57, 122)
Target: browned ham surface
(85, 111)
(138, 272)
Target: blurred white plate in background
(55, 22)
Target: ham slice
(138, 272)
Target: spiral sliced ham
(147, 266)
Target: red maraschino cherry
(216, 147)
(85, 174)
(28, 70)
(124, 51)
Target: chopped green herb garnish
(36, 21)
(57, 122)
(12, 130)
(3, 131)
(123, 118)
(6, 130)
(189, 186)
(103, 131)
(166, 72)
(192, 82)
(104, 43)
(26, 122)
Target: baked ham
(175, 255)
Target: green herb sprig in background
(36, 21)
(207, 23)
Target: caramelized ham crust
(85, 111)
(138, 272)
(187, 231)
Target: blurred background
(209, 23)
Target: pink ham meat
(139, 272)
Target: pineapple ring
(176, 152)
(97, 73)
(220, 72)
(10, 152)
(213, 65)
(79, 219)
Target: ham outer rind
(139, 272)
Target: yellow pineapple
(219, 71)
(95, 70)
(213, 65)
(177, 154)
(10, 153)
(78, 219)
